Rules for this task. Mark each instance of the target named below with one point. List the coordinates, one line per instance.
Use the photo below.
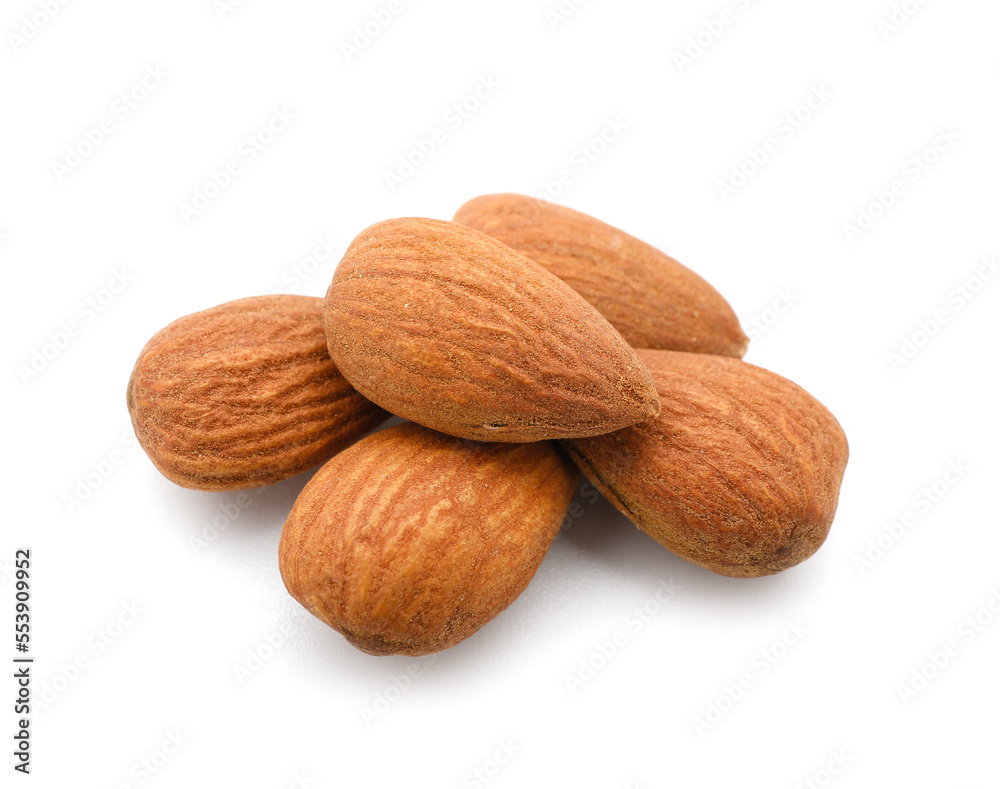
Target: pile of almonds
(523, 341)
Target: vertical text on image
(23, 660)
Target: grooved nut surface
(410, 541)
(243, 395)
(449, 328)
(650, 298)
(740, 473)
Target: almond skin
(410, 541)
(243, 395)
(449, 328)
(650, 298)
(740, 473)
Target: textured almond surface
(243, 395)
(410, 541)
(740, 473)
(650, 298)
(453, 330)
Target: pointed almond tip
(739, 347)
(648, 403)
(650, 399)
(653, 408)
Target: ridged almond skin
(740, 473)
(410, 541)
(449, 328)
(650, 298)
(243, 395)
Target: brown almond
(650, 298)
(243, 395)
(410, 541)
(449, 328)
(740, 473)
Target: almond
(243, 395)
(447, 327)
(654, 301)
(410, 541)
(740, 473)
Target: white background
(298, 718)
